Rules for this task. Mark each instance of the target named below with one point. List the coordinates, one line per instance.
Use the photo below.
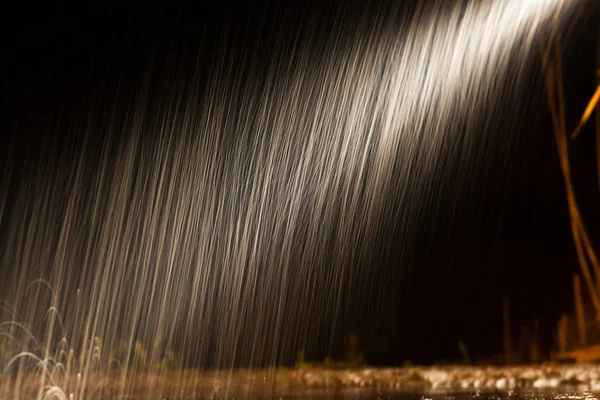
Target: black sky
(503, 230)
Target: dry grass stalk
(555, 92)
(598, 113)
(563, 328)
(580, 311)
(508, 346)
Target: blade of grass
(587, 113)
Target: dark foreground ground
(576, 382)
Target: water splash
(217, 217)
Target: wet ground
(457, 396)
(578, 378)
(450, 396)
(556, 382)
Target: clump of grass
(171, 361)
(140, 356)
(44, 364)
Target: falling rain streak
(225, 207)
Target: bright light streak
(243, 218)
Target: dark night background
(503, 230)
